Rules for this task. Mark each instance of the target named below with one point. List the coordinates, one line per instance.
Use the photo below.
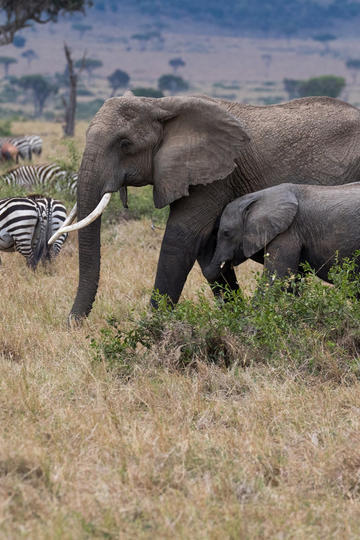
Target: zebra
(35, 143)
(49, 175)
(26, 144)
(27, 223)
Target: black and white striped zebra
(27, 223)
(42, 176)
(35, 143)
(26, 144)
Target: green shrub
(5, 128)
(326, 85)
(147, 92)
(300, 324)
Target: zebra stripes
(42, 176)
(27, 223)
(26, 144)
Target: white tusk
(84, 222)
(222, 265)
(70, 217)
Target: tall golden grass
(205, 453)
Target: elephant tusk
(222, 265)
(70, 217)
(84, 222)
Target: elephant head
(172, 143)
(250, 223)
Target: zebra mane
(35, 196)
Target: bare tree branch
(70, 104)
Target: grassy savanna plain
(259, 443)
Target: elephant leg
(177, 257)
(227, 278)
(191, 235)
(283, 256)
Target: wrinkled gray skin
(199, 154)
(293, 224)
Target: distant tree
(40, 88)
(177, 62)
(81, 28)
(142, 39)
(6, 61)
(353, 65)
(267, 59)
(100, 5)
(70, 102)
(118, 79)
(19, 42)
(291, 87)
(146, 37)
(147, 92)
(30, 55)
(289, 29)
(89, 66)
(326, 85)
(18, 14)
(172, 84)
(325, 40)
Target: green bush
(326, 85)
(147, 92)
(5, 128)
(300, 325)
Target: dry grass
(206, 453)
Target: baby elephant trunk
(213, 270)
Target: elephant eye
(125, 143)
(226, 233)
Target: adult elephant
(199, 154)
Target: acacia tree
(81, 28)
(325, 39)
(353, 65)
(40, 88)
(325, 85)
(172, 84)
(6, 61)
(18, 14)
(177, 62)
(89, 64)
(30, 55)
(118, 79)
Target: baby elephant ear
(270, 214)
(201, 141)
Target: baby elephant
(293, 223)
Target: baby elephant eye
(226, 233)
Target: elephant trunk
(213, 269)
(89, 194)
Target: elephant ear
(270, 213)
(201, 141)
